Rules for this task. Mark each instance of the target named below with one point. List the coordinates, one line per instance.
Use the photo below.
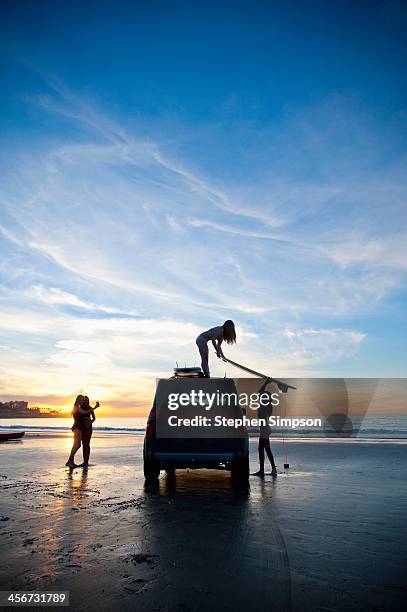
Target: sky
(169, 165)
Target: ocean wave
(68, 428)
(358, 431)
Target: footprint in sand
(141, 558)
(29, 541)
(136, 586)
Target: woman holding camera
(84, 416)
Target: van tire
(151, 469)
(241, 469)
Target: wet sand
(329, 535)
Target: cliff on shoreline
(40, 415)
(19, 409)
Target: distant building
(14, 405)
(19, 408)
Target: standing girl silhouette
(83, 415)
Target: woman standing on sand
(216, 335)
(83, 415)
(263, 413)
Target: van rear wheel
(240, 470)
(151, 469)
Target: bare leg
(269, 453)
(77, 441)
(86, 453)
(86, 446)
(204, 352)
(261, 456)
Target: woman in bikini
(83, 415)
(216, 335)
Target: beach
(327, 534)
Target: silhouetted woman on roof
(216, 335)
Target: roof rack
(188, 373)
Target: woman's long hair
(78, 402)
(229, 332)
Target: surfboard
(281, 385)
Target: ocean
(388, 426)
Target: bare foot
(259, 473)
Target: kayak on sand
(11, 435)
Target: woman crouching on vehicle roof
(83, 415)
(216, 335)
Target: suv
(221, 448)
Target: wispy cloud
(55, 296)
(125, 254)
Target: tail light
(150, 429)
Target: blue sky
(170, 165)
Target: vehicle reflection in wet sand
(214, 548)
